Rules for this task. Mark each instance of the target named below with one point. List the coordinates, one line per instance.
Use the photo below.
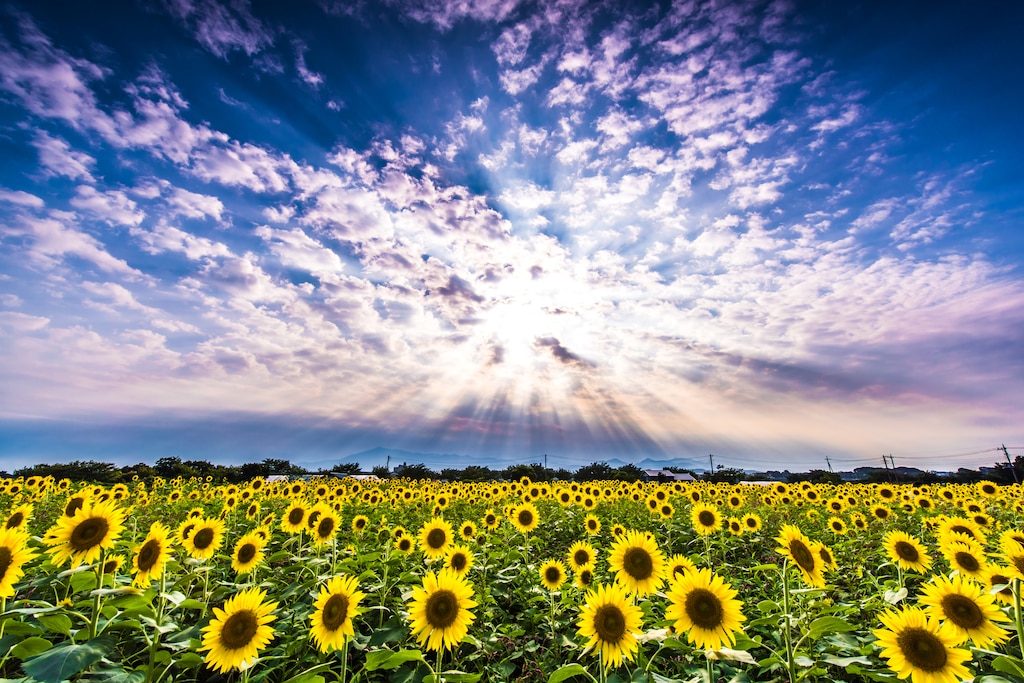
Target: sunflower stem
(786, 627)
(155, 642)
(1018, 617)
(344, 661)
(98, 597)
(437, 670)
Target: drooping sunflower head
(239, 631)
(152, 555)
(800, 551)
(611, 623)
(525, 517)
(435, 537)
(920, 647)
(552, 574)
(84, 536)
(440, 612)
(335, 607)
(637, 562)
(705, 607)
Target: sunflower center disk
(89, 533)
(15, 521)
(963, 611)
(239, 630)
(968, 561)
(295, 516)
(335, 612)
(442, 609)
(922, 649)
(610, 623)
(73, 506)
(638, 563)
(246, 553)
(704, 609)
(706, 518)
(6, 560)
(313, 516)
(581, 558)
(458, 562)
(906, 551)
(148, 555)
(525, 518)
(802, 555)
(326, 528)
(553, 575)
(203, 538)
(436, 538)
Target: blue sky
(773, 231)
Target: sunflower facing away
(907, 552)
(82, 537)
(801, 551)
(14, 553)
(921, 648)
(704, 606)
(236, 633)
(336, 605)
(966, 607)
(611, 621)
(439, 613)
(151, 557)
(638, 563)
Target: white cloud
(21, 198)
(112, 206)
(167, 238)
(194, 205)
(57, 157)
(221, 27)
(510, 47)
(54, 239)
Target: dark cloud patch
(561, 353)
(457, 288)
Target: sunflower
(967, 608)
(467, 531)
(490, 520)
(907, 552)
(236, 633)
(88, 533)
(359, 523)
(325, 528)
(704, 606)
(1013, 554)
(439, 614)
(592, 524)
(998, 582)
(75, 503)
(611, 622)
(837, 525)
(404, 544)
(705, 519)
(751, 522)
(435, 537)
(205, 539)
(966, 557)
(955, 528)
(581, 554)
(801, 551)
(19, 516)
(247, 553)
(638, 563)
(293, 521)
(335, 606)
(524, 517)
(584, 578)
(459, 559)
(14, 553)
(552, 574)
(152, 555)
(919, 647)
(678, 564)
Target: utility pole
(885, 463)
(1008, 462)
(829, 463)
(387, 463)
(545, 461)
(712, 459)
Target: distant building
(666, 475)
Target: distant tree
(415, 471)
(816, 477)
(629, 472)
(78, 470)
(597, 471)
(168, 466)
(347, 468)
(476, 473)
(381, 472)
(561, 474)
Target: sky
(772, 231)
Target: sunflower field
(407, 581)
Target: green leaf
(119, 675)
(65, 660)
(56, 623)
(567, 671)
(453, 676)
(386, 659)
(190, 660)
(764, 568)
(311, 675)
(825, 625)
(30, 647)
(803, 660)
(846, 661)
(1009, 665)
(992, 678)
(658, 678)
